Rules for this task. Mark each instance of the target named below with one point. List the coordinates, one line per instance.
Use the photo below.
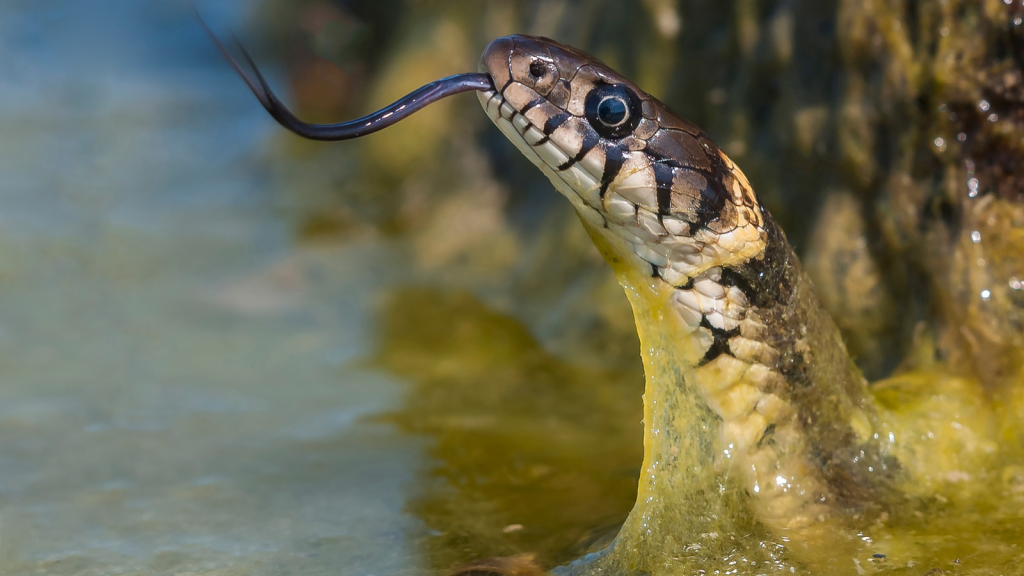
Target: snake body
(671, 211)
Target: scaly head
(652, 184)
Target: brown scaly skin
(791, 426)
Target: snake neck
(755, 419)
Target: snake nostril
(538, 68)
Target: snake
(682, 227)
(755, 417)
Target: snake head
(653, 184)
(635, 172)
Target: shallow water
(177, 392)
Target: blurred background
(231, 351)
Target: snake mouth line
(499, 109)
(572, 178)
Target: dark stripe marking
(663, 176)
(555, 121)
(531, 104)
(590, 139)
(712, 197)
(612, 164)
(721, 343)
(766, 281)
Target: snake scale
(665, 202)
(753, 407)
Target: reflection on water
(533, 455)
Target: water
(177, 391)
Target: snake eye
(613, 110)
(538, 68)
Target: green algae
(531, 453)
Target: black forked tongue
(368, 124)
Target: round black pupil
(537, 69)
(612, 110)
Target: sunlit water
(177, 390)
